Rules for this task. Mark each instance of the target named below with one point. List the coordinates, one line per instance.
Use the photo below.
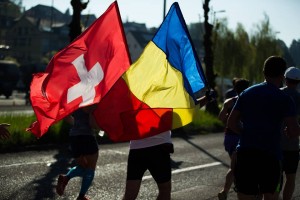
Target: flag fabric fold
(82, 73)
(157, 92)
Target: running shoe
(61, 184)
(222, 195)
(82, 198)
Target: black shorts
(290, 161)
(257, 172)
(83, 145)
(156, 159)
(230, 143)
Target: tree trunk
(211, 107)
(75, 25)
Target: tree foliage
(238, 54)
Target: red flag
(82, 73)
(124, 117)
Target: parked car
(9, 77)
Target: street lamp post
(215, 12)
(164, 11)
(51, 21)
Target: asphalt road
(199, 167)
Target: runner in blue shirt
(258, 116)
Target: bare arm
(234, 121)
(202, 101)
(293, 129)
(223, 115)
(210, 96)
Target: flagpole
(164, 11)
(52, 8)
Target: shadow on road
(181, 134)
(206, 152)
(43, 187)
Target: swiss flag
(82, 73)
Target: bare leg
(132, 189)
(289, 186)
(228, 179)
(242, 196)
(164, 191)
(269, 196)
(90, 161)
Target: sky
(284, 15)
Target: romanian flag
(157, 92)
(82, 73)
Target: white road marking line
(188, 169)
(29, 163)
(112, 151)
(49, 162)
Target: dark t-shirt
(263, 108)
(81, 124)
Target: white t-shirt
(164, 137)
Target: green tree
(295, 51)
(244, 52)
(223, 40)
(231, 51)
(237, 54)
(264, 41)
